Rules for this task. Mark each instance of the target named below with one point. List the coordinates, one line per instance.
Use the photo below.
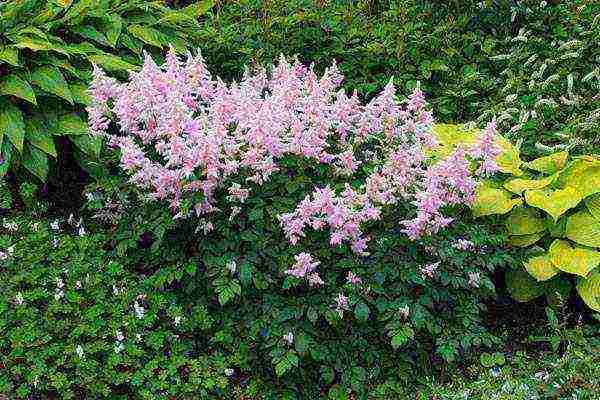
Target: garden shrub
(47, 48)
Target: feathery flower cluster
(183, 131)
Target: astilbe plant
(194, 140)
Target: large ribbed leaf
(15, 85)
(524, 221)
(574, 260)
(593, 205)
(541, 267)
(39, 136)
(508, 160)
(522, 287)
(554, 202)
(589, 290)
(582, 174)
(51, 80)
(584, 229)
(11, 124)
(490, 200)
(519, 185)
(549, 164)
(69, 124)
(524, 240)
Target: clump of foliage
(47, 48)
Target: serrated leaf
(490, 201)
(16, 86)
(584, 229)
(522, 287)
(90, 145)
(36, 162)
(589, 290)
(11, 124)
(40, 137)
(10, 55)
(541, 267)
(148, 35)
(524, 240)
(508, 160)
(111, 63)
(524, 221)
(51, 80)
(573, 260)
(519, 185)
(549, 164)
(554, 202)
(592, 203)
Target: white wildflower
(177, 320)
(139, 310)
(19, 299)
(79, 351)
(119, 335)
(404, 311)
(229, 372)
(55, 225)
(289, 337)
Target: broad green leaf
(7, 154)
(16, 86)
(549, 164)
(113, 29)
(39, 136)
(541, 267)
(508, 160)
(70, 124)
(51, 80)
(524, 221)
(77, 12)
(581, 174)
(554, 202)
(111, 63)
(189, 13)
(147, 35)
(80, 93)
(556, 228)
(557, 290)
(524, 240)
(361, 311)
(519, 185)
(90, 32)
(35, 161)
(9, 55)
(11, 124)
(584, 229)
(593, 205)
(522, 287)
(90, 145)
(574, 260)
(33, 44)
(490, 200)
(589, 290)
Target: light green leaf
(584, 229)
(582, 174)
(519, 185)
(90, 145)
(80, 93)
(589, 290)
(89, 32)
(524, 240)
(489, 200)
(522, 287)
(573, 260)
(508, 160)
(148, 35)
(14, 85)
(554, 202)
(541, 267)
(51, 80)
(11, 124)
(113, 29)
(39, 136)
(549, 164)
(7, 155)
(593, 205)
(70, 124)
(524, 221)
(9, 55)
(111, 63)
(36, 162)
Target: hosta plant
(47, 48)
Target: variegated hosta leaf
(582, 174)
(508, 160)
(490, 200)
(524, 221)
(524, 240)
(549, 164)
(584, 229)
(574, 260)
(556, 228)
(589, 290)
(554, 202)
(541, 267)
(593, 205)
(519, 185)
(522, 287)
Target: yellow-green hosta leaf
(522, 287)
(593, 205)
(574, 260)
(549, 164)
(508, 160)
(70, 124)
(556, 228)
(554, 202)
(541, 267)
(16, 86)
(490, 201)
(111, 62)
(80, 93)
(51, 80)
(452, 135)
(589, 290)
(11, 124)
(9, 55)
(524, 221)
(582, 174)
(519, 185)
(524, 240)
(584, 228)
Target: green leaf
(111, 62)
(148, 35)
(361, 311)
(90, 145)
(522, 287)
(584, 229)
(541, 267)
(554, 202)
(113, 29)
(508, 160)
(70, 124)
(37, 134)
(11, 124)
(89, 32)
(80, 93)
(36, 162)
(51, 80)
(582, 174)
(7, 155)
(589, 290)
(519, 185)
(549, 164)
(14, 85)
(489, 200)
(593, 205)
(9, 55)
(524, 240)
(578, 261)
(524, 221)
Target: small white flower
(11, 250)
(229, 372)
(289, 337)
(35, 226)
(78, 285)
(58, 295)
(55, 225)
(119, 347)
(81, 231)
(177, 320)
(59, 283)
(55, 242)
(232, 266)
(19, 298)
(119, 336)
(3, 256)
(79, 351)
(139, 310)
(70, 220)
(404, 311)
(90, 196)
